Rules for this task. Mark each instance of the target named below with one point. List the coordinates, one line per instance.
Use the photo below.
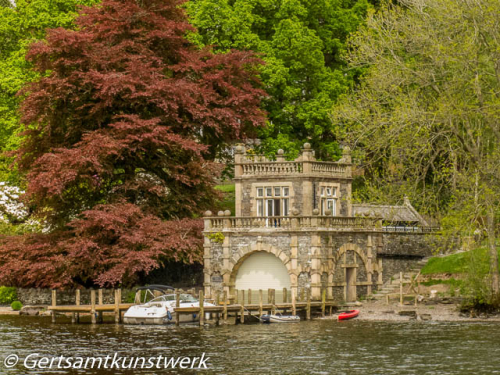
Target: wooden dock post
(302, 295)
(117, 306)
(242, 313)
(236, 296)
(92, 306)
(401, 288)
(75, 317)
(100, 302)
(202, 308)
(224, 296)
(260, 302)
(217, 303)
(177, 304)
(242, 297)
(249, 299)
(308, 307)
(294, 307)
(269, 296)
(273, 301)
(323, 302)
(285, 295)
(54, 303)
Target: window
(328, 201)
(275, 202)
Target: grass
(476, 260)
(228, 200)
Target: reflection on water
(317, 347)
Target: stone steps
(393, 284)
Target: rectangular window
(277, 191)
(329, 192)
(322, 191)
(330, 205)
(269, 207)
(285, 207)
(260, 192)
(260, 207)
(285, 191)
(277, 208)
(334, 192)
(269, 192)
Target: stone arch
(349, 247)
(237, 259)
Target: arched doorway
(262, 270)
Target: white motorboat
(160, 309)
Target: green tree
(19, 27)
(426, 117)
(301, 42)
(5, 3)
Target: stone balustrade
(220, 223)
(253, 165)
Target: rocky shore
(444, 310)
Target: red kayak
(348, 314)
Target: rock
(433, 294)
(425, 317)
(409, 313)
(388, 312)
(32, 310)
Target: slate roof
(402, 213)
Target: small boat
(345, 315)
(161, 309)
(278, 318)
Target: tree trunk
(495, 279)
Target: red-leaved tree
(121, 134)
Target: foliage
(19, 27)
(217, 237)
(426, 116)
(16, 305)
(122, 130)
(6, 3)
(7, 295)
(228, 201)
(301, 42)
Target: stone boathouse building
(296, 228)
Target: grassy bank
(476, 260)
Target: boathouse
(296, 228)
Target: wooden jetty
(224, 307)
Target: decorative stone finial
(280, 152)
(208, 213)
(346, 150)
(307, 146)
(295, 212)
(406, 201)
(328, 212)
(239, 149)
(227, 213)
(220, 213)
(315, 212)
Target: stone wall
(418, 245)
(32, 296)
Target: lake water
(314, 347)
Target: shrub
(16, 305)
(7, 295)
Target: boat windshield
(171, 297)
